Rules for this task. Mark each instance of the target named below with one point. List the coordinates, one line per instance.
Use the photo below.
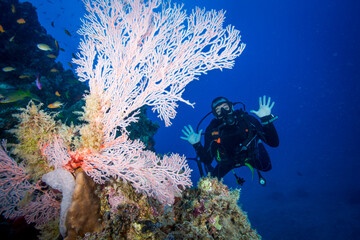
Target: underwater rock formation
(207, 212)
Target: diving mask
(225, 113)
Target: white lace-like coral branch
(122, 159)
(43, 208)
(134, 54)
(13, 184)
(56, 152)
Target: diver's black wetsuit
(225, 144)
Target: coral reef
(37, 127)
(207, 212)
(50, 230)
(133, 54)
(212, 212)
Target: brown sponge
(84, 213)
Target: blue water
(305, 55)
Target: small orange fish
(13, 10)
(57, 94)
(21, 21)
(56, 104)
(2, 29)
(51, 56)
(54, 70)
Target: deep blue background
(305, 55)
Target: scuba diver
(234, 138)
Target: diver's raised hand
(264, 107)
(191, 136)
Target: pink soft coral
(13, 184)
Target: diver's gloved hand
(264, 112)
(264, 108)
(191, 136)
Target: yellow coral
(38, 127)
(92, 131)
(216, 223)
(50, 230)
(205, 184)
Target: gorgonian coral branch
(43, 208)
(126, 160)
(56, 152)
(134, 54)
(123, 159)
(13, 184)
